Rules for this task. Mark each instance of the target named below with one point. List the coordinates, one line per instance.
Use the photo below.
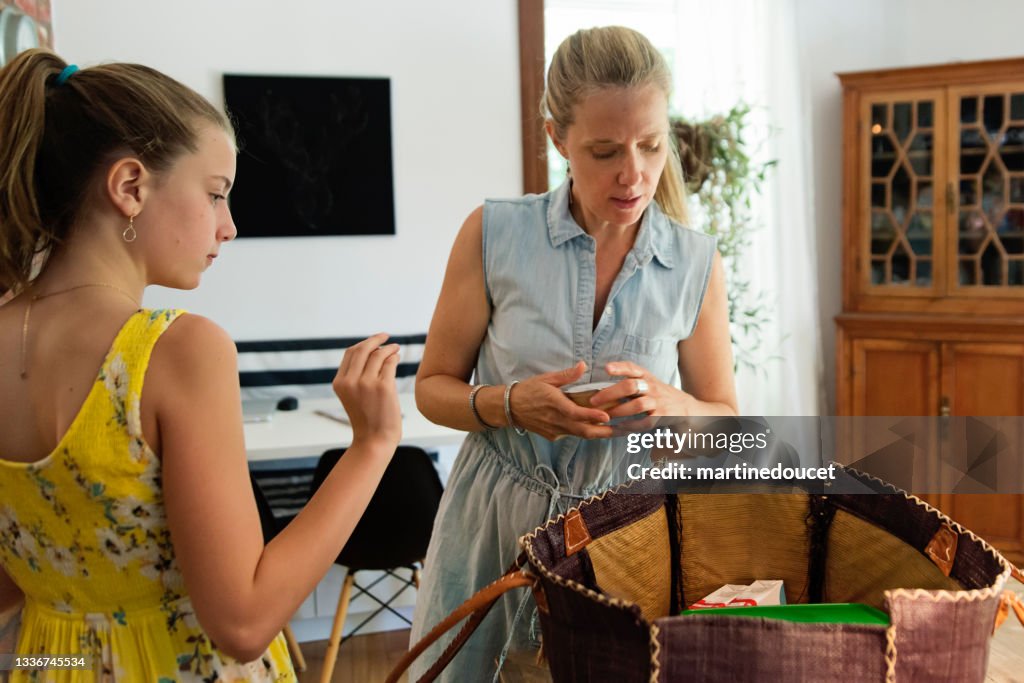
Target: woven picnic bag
(611, 576)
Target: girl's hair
(612, 56)
(60, 133)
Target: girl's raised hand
(365, 383)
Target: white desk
(302, 433)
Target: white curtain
(723, 53)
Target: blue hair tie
(66, 74)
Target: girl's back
(67, 338)
(83, 532)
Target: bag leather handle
(1009, 600)
(476, 607)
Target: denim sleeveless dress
(540, 275)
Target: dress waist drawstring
(554, 490)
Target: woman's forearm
(696, 407)
(444, 400)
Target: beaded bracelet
(472, 407)
(508, 409)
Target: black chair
(393, 533)
(270, 527)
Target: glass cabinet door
(901, 203)
(988, 183)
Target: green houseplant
(722, 178)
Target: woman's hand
(539, 405)
(640, 392)
(365, 383)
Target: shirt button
(608, 310)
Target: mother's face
(617, 147)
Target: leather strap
(476, 607)
(1007, 601)
(453, 647)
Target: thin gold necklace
(36, 297)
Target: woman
(127, 517)
(592, 281)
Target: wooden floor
(361, 659)
(369, 658)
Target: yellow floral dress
(84, 535)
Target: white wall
(835, 37)
(955, 30)
(454, 76)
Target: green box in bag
(825, 613)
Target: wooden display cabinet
(933, 257)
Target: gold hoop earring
(129, 233)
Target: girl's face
(186, 217)
(617, 148)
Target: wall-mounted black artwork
(314, 158)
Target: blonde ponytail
(60, 130)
